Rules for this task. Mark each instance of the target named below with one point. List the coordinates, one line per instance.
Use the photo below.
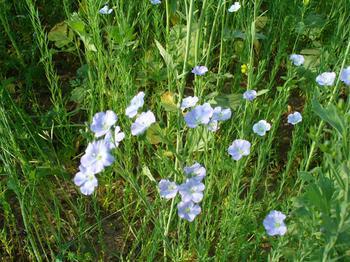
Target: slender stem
(321, 124)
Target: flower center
(105, 126)
(187, 210)
(277, 224)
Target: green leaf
(166, 56)
(262, 92)
(155, 134)
(306, 176)
(87, 43)
(167, 101)
(78, 94)
(329, 115)
(231, 100)
(76, 24)
(147, 173)
(61, 35)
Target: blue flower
(294, 118)
(188, 210)
(167, 189)
(155, 2)
(135, 104)
(102, 122)
(199, 70)
(105, 10)
(220, 114)
(201, 114)
(192, 190)
(261, 127)
(345, 75)
(196, 171)
(326, 79)
(274, 223)
(113, 141)
(97, 156)
(189, 102)
(297, 60)
(86, 180)
(239, 148)
(249, 95)
(235, 7)
(142, 123)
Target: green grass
(54, 77)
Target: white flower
(326, 79)
(261, 127)
(102, 122)
(235, 7)
(297, 60)
(113, 141)
(144, 121)
(105, 10)
(136, 102)
(85, 180)
(155, 2)
(167, 189)
(294, 118)
(274, 223)
(188, 102)
(239, 148)
(345, 75)
(250, 95)
(199, 70)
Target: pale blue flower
(105, 10)
(155, 2)
(188, 210)
(274, 223)
(136, 102)
(235, 7)
(86, 180)
(239, 148)
(297, 60)
(220, 114)
(97, 156)
(142, 123)
(249, 95)
(192, 190)
(294, 118)
(188, 102)
(196, 171)
(167, 189)
(102, 122)
(201, 114)
(261, 127)
(345, 75)
(114, 138)
(199, 70)
(326, 79)
(213, 125)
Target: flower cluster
(205, 115)
(144, 120)
(191, 191)
(328, 78)
(98, 152)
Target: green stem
(321, 124)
